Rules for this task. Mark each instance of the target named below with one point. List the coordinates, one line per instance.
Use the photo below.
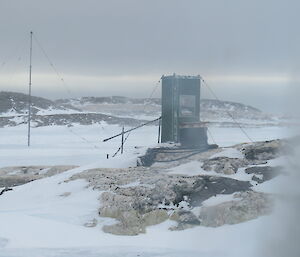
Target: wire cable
(155, 87)
(19, 47)
(211, 136)
(145, 105)
(229, 114)
(51, 64)
(82, 138)
(65, 85)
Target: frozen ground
(79, 145)
(62, 145)
(36, 219)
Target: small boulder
(185, 219)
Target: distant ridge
(108, 100)
(210, 109)
(116, 110)
(205, 103)
(17, 103)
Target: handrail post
(122, 143)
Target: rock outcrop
(266, 150)
(140, 197)
(15, 176)
(248, 205)
(143, 196)
(224, 165)
(264, 173)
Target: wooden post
(122, 143)
(159, 124)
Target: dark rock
(148, 159)
(224, 165)
(11, 181)
(70, 119)
(171, 154)
(83, 119)
(266, 172)
(263, 150)
(205, 187)
(6, 189)
(18, 102)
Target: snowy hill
(13, 103)
(211, 110)
(216, 110)
(118, 110)
(108, 100)
(207, 105)
(14, 110)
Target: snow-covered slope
(108, 100)
(116, 109)
(55, 217)
(216, 110)
(211, 110)
(12, 103)
(14, 110)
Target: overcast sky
(247, 51)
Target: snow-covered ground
(37, 219)
(79, 145)
(60, 145)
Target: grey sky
(247, 51)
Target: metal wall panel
(176, 91)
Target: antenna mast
(29, 91)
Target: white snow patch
(192, 168)
(52, 111)
(229, 152)
(79, 145)
(215, 200)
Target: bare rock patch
(249, 205)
